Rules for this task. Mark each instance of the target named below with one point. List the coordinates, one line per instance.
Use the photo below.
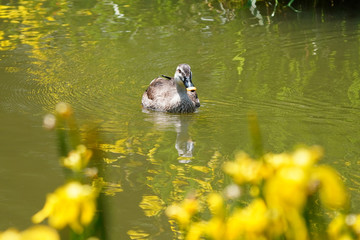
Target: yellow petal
(88, 212)
(73, 204)
(216, 202)
(10, 234)
(40, 233)
(336, 226)
(51, 201)
(195, 231)
(307, 157)
(332, 190)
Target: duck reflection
(180, 122)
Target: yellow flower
(307, 156)
(215, 228)
(73, 204)
(33, 233)
(356, 225)
(297, 229)
(64, 110)
(255, 217)
(250, 222)
(183, 212)
(195, 231)
(176, 212)
(244, 169)
(10, 234)
(277, 223)
(277, 161)
(216, 204)
(303, 157)
(40, 233)
(336, 227)
(332, 190)
(234, 227)
(77, 159)
(191, 205)
(287, 189)
(344, 227)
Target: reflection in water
(180, 122)
(254, 11)
(298, 72)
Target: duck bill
(189, 85)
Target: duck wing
(159, 93)
(160, 88)
(167, 77)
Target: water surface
(298, 72)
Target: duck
(172, 94)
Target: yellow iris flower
(249, 222)
(332, 190)
(281, 185)
(78, 158)
(344, 227)
(195, 231)
(33, 233)
(244, 169)
(73, 204)
(216, 204)
(183, 212)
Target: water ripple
(301, 109)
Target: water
(298, 72)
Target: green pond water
(298, 71)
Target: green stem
(61, 137)
(291, 7)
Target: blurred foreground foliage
(272, 196)
(76, 208)
(277, 196)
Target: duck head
(183, 77)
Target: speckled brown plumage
(165, 94)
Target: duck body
(175, 95)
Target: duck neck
(181, 89)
